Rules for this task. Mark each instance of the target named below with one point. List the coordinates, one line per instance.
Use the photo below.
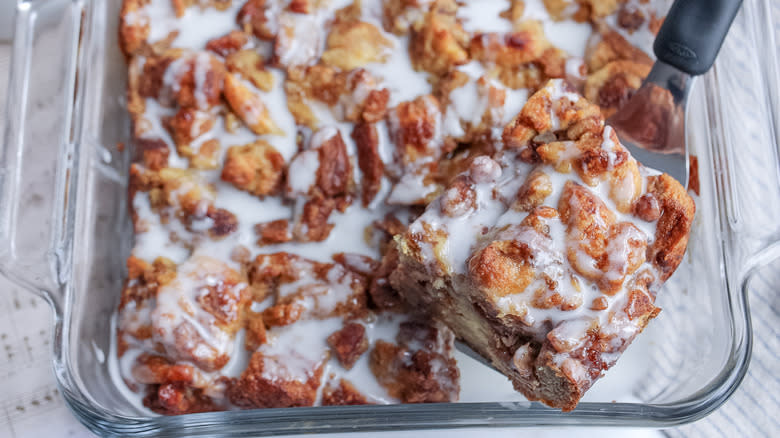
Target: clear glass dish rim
(369, 418)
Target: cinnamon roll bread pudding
(326, 194)
(546, 257)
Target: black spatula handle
(693, 32)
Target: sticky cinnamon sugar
(325, 194)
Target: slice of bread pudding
(546, 257)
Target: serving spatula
(652, 123)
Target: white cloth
(752, 410)
(30, 405)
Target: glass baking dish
(65, 235)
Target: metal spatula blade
(652, 123)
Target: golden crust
(133, 27)
(351, 96)
(536, 188)
(615, 83)
(176, 398)
(188, 124)
(256, 389)
(348, 344)
(253, 19)
(581, 10)
(611, 46)
(139, 290)
(502, 268)
(511, 49)
(320, 290)
(415, 129)
(189, 91)
(600, 8)
(248, 106)
(299, 39)
(278, 231)
(219, 292)
(399, 16)
(179, 194)
(674, 224)
(257, 168)
(477, 128)
(439, 42)
(153, 153)
(575, 119)
(344, 394)
(523, 58)
(353, 44)
(228, 44)
(250, 65)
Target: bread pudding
(326, 194)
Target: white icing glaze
(317, 297)
(515, 99)
(178, 305)
(465, 232)
(302, 172)
(398, 75)
(483, 16)
(535, 10)
(469, 227)
(411, 171)
(155, 241)
(300, 39)
(276, 101)
(468, 104)
(195, 28)
(294, 351)
(561, 242)
(570, 36)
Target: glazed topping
(540, 226)
(197, 313)
(273, 136)
(570, 246)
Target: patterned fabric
(752, 410)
